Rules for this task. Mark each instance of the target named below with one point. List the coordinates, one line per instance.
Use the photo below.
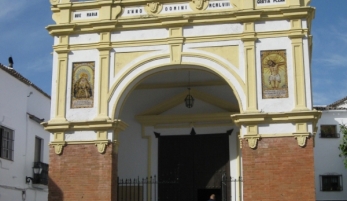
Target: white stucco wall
(82, 114)
(279, 104)
(16, 101)
(326, 154)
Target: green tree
(343, 144)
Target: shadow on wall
(54, 192)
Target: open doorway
(191, 167)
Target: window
(6, 145)
(328, 131)
(38, 150)
(331, 182)
(42, 178)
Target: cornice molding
(153, 120)
(122, 23)
(254, 138)
(263, 118)
(85, 125)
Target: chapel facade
(190, 91)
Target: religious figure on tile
(274, 74)
(82, 85)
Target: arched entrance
(120, 76)
(188, 149)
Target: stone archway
(158, 104)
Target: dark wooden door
(191, 165)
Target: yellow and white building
(121, 73)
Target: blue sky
(23, 35)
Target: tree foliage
(343, 143)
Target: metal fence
(146, 189)
(231, 188)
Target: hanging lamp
(189, 100)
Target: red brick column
(82, 173)
(278, 169)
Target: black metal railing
(147, 189)
(329, 135)
(231, 188)
(41, 178)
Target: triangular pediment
(178, 99)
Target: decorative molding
(252, 140)
(175, 53)
(299, 71)
(54, 2)
(263, 118)
(154, 22)
(58, 146)
(177, 100)
(240, 141)
(165, 56)
(153, 8)
(155, 120)
(180, 84)
(101, 145)
(233, 72)
(301, 138)
(165, 41)
(198, 5)
(86, 125)
(116, 11)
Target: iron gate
(146, 189)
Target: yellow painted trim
(189, 18)
(153, 7)
(195, 125)
(61, 85)
(153, 120)
(276, 135)
(254, 138)
(178, 99)
(225, 105)
(58, 142)
(227, 52)
(299, 74)
(251, 76)
(80, 142)
(103, 80)
(264, 118)
(85, 125)
(178, 85)
(175, 53)
(121, 59)
(187, 40)
(235, 74)
(175, 40)
(141, 63)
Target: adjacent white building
(23, 106)
(330, 173)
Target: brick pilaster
(82, 173)
(278, 169)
